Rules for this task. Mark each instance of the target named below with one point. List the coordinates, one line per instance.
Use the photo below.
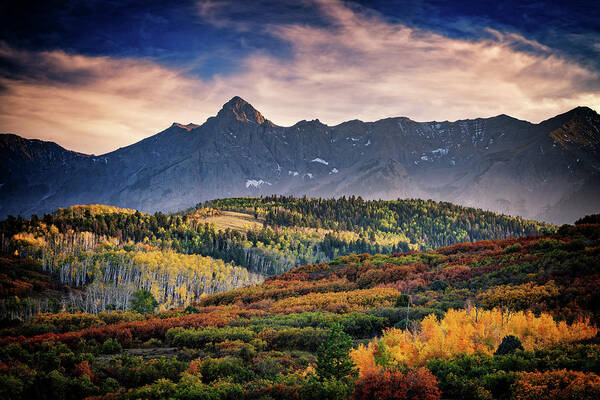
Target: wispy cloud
(93, 104)
(357, 66)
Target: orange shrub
(419, 384)
(557, 385)
(456, 273)
(83, 368)
(142, 330)
(194, 368)
(68, 322)
(357, 300)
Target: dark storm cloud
(38, 67)
(174, 33)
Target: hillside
(424, 224)
(108, 253)
(94, 250)
(546, 171)
(423, 323)
(26, 290)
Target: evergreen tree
(510, 344)
(143, 302)
(333, 359)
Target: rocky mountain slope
(548, 171)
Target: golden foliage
(357, 300)
(468, 331)
(519, 297)
(94, 209)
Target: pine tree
(333, 359)
(509, 345)
(143, 302)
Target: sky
(96, 75)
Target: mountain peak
(583, 109)
(235, 101)
(242, 111)
(187, 127)
(576, 112)
(580, 126)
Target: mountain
(548, 171)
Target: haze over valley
(548, 171)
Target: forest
(424, 223)
(106, 253)
(495, 318)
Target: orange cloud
(361, 67)
(115, 102)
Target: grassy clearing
(235, 220)
(244, 222)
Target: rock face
(548, 171)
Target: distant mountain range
(548, 171)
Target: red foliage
(456, 248)
(557, 385)
(371, 275)
(3, 367)
(83, 368)
(419, 384)
(481, 245)
(194, 367)
(9, 287)
(289, 276)
(274, 391)
(107, 396)
(142, 330)
(456, 273)
(310, 268)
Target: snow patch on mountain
(320, 160)
(256, 183)
(440, 152)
